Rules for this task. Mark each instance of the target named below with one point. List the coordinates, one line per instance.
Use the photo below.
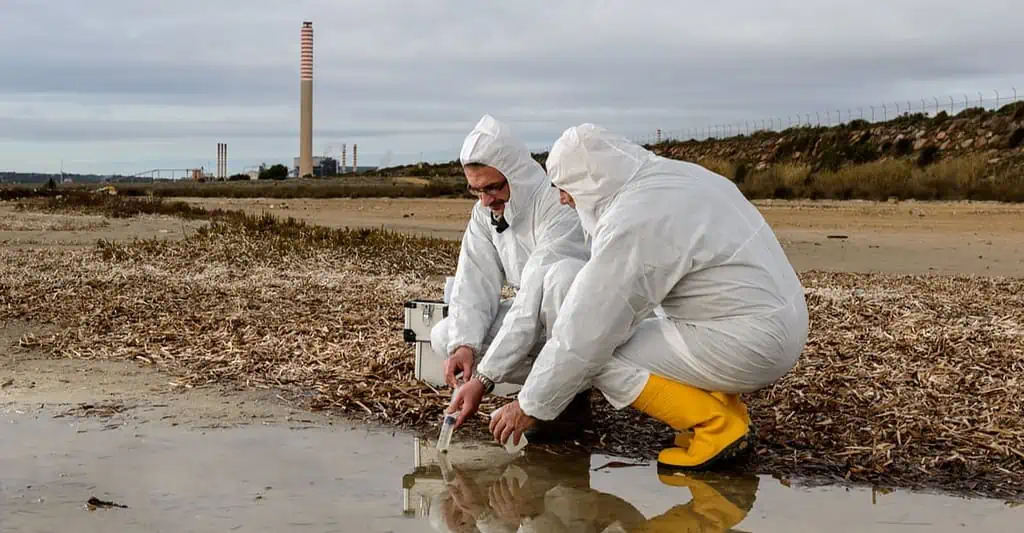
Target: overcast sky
(125, 86)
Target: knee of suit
(560, 276)
(439, 338)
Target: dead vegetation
(349, 187)
(906, 381)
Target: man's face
(490, 185)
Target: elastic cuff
(456, 345)
(535, 410)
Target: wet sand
(906, 237)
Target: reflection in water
(483, 490)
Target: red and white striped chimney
(306, 103)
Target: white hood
(491, 143)
(592, 164)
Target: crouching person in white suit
(519, 233)
(673, 234)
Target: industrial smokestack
(344, 158)
(355, 158)
(222, 154)
(306, 111)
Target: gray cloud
(163, 81)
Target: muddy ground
(906, 237)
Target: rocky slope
(999, 135)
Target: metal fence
(879, 112)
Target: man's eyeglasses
(490, 190)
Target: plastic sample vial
(509, 446)
(445, 438)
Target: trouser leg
(577, 416)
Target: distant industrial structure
(305, 164)
(321, 167)
(222, 161)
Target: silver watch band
(487, 382)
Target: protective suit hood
(593, 165)
(491, 143)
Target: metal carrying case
(420, 317)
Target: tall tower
(306, 111)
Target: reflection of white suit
(673, 234)
(538, 254)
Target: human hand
(466, 401)
(467, 495)
(510, 501)
(460, 361)
(510, 420)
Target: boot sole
(737, 449)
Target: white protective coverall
(538, 254)
(671, 233)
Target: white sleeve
(561, 237)
(476, 293)
(630, 272)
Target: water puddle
(83, 476)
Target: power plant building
(321, 166)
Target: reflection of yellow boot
(710, 509)
(719, 433)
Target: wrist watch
(487, 382)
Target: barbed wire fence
(880, 112)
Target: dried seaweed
(906, 381)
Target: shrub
(903, 147)
(928, 155)
(1016, 138)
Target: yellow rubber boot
(733, 402)
(719, 433)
